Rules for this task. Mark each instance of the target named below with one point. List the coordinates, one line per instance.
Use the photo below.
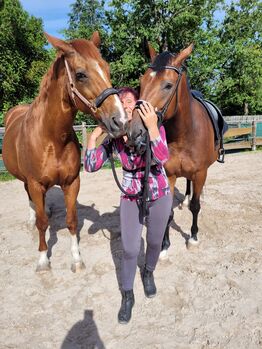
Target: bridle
(94, 104)
(161, 113)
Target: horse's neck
(52, 108)
(183, 117)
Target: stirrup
(221, 155)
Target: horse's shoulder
(15, 113)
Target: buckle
(221, 155)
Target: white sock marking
(75, 249)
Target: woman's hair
(124, 90)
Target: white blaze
(118, 104)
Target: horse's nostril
(115, 121)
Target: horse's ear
(59, 44)
(96, 39)
(152, 52)
(184, 54)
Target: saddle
(219, 124)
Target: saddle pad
(219, 124)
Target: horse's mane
(52, 73)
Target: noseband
(93, 105)
(161, 113)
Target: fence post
(254, 128)
(84, 141)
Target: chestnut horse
(40, 146)
(189, 130)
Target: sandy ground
(210, 297)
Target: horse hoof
(76, 267)
(192, 243)
(180, 206)
(43, 268)
(163, 255)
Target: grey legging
(131, 231)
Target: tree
(166, 24)
(240, 85)
(85, 17)
(23, 57)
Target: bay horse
(189, 130)
(40, 146)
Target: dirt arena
(210, 297)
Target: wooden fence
(243, 132)
(238, 136)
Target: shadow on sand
(108, 223)
(84, 334)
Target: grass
(107, 165)
(6, 176)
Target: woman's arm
(96, 157)
(159, 147)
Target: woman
(159, 198)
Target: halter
(161, 113)
(93, 105)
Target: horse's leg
(187, 195)
(188, 192)
(194, 206)
(70, 193)
(166, 240)
(37, 196)
(32, 213)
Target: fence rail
(240, 137)
(243, 118)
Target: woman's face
(129, 101)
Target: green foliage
(167, 25)
(88, 119)
(85, 17)
(6, 176)
(22, 54)
(240, 80)
(225, 64)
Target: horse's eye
(80, 76)
(168, 86)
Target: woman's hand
(149, 117)
(98, 131)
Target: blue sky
(54, 13)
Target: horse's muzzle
(137, 142)
(115, 125)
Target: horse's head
(87, 80)
(160, 86)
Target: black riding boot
(125, 312)
(148, 283)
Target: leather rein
(92, 105)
